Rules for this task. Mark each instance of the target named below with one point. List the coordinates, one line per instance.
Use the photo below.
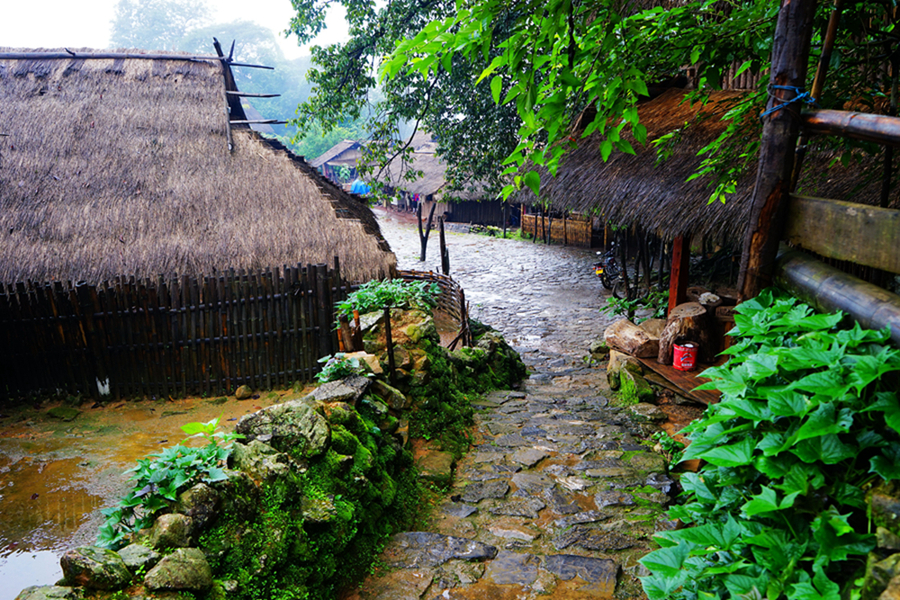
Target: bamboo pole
(881, 129)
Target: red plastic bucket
(685, 356)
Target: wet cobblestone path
(557, 498)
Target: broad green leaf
(767, 501)
(533, 180)
(496, 88)
(827, 448)
(606, 149)
(668, 561)
(733, 455)
(823, 421)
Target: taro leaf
(767, 501)
(773, 549)
(886, 464)
(663, 587)
(773, 443)
(761, 366)
(837, 539)
(856, 335)
(773, 467)
(867, 369)
(823, 421)
(754, 410)
(692, 483)
(668, 561)
(801, 478)
(785, 401)
(869, 439)
(732, 455)
(215, 474)
(827, 448)
(794, 359)
(820, 588)
(886, 402)
(746, 586)
(819, 321)
(829, 383)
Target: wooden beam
(776, 156)
(249, 95)
(681, 267)
(101, 55)
(866, 235)
(827, 289)
(881, 129)
(258, 122)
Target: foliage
(552, 58)
(809, 419)
(156, 24)
(396, 293)
(473, 133)
(670, 448)
(655, 300)
(337, 367)
(158, 480)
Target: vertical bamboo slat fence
(166, 337)
(178, 336)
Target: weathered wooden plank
(866, 235)
(881, 129)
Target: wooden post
(389, 344)
(445, 256)
(423, 237)
(776, 157)
(681, 266)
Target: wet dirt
(55, 476)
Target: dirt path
(557, 497)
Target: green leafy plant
(158, 479)
(809, 420)
(337, 367)
(655, 300)
(670, 448)
(396, 293)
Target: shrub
(397, 293)
(809, 420)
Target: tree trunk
(423, 237)
(631, 339)
(445, 255)
(687, 323)
(776, 157)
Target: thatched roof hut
(656, 196)
(121, 166)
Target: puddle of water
(55, 477)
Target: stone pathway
(557, 496)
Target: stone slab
(422, 549)
(512, 568)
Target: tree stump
(687, 322)
(627, 337)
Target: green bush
(397, 293)
(337, 367)
(809, 420)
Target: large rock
(260, 461)
(184, 569)
(436, 467)
(200, 503)
(884, 506)
(647, 413)
(172, 530)
(49, 592)
(634, 388)
(245, 392)
(879, 574)
(424, 549)
(95, 568)
(617, 362)
(349, 390)
(393, 397)
(294, 427)
(138, 557)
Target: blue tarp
(359, 187)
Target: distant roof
(120, 166)
(640, 190)
(433, 181)
(334, 152)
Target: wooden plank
(163, 331)
(227, 295)
(186, 346)
(279, 290)
(243, 298)
(866, 235)
(293, 322)
(684, 381)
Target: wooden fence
(164, 337)
(167, 337)
(575, 230)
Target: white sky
(86, 23)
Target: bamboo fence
(132, 337)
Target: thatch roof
(433, 180)
(121, 167)
(635, 190)
(345, 152)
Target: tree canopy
(515, 74)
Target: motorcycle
(608, 269)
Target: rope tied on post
(800, 95)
